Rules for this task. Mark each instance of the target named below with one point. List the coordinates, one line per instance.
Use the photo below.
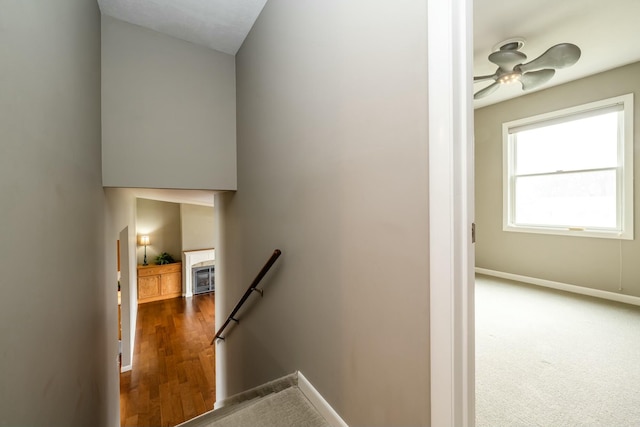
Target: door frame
(451, 211)
(128, 332)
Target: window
(570, 172)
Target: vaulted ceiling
(605, 31)
(218, 24)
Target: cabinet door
(171, 283)
(148, 287)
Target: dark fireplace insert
(204, 278)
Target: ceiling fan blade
(486, 91)
(559, 56)
(478, 79)
(507, 59)
(533, 79)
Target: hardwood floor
(173, 373)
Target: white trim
(612, 296)
(450, 86)
(220, 242)
(125, 368)
(318, 402)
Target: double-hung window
(570, 172)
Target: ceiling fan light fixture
(512, 65)
(510, 78)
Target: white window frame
(624, 178)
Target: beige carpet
(549, 358)
(278, 403)
(288, 408)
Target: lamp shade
(144, 240)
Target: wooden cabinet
(156, 282)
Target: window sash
(584, 199)
(572, 147)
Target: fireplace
(192, 260)
(204, 279)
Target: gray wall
(161, 222)
(589, 262)
(197, 227)
(168, 111)
(332, 169)
(58, 338)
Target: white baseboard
(612, 296)
(319, 403)
(125, 368)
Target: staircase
(288, 401)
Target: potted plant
(164, 258)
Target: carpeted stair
(279, 403)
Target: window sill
(574, 232)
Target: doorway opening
(119, 306)
(175, 222)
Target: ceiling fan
(512, 68)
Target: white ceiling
(606, 31)
(217, 24)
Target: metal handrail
(250, 289)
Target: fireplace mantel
(189, 258)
